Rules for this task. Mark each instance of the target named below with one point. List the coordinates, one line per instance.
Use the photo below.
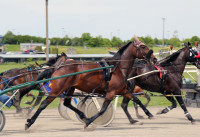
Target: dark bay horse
(171, 82)
(91, 82)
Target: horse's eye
(143, 47)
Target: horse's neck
(126, 62)
(179, 64)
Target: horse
(170, 82)
(9, 78)
(91, 82)
(126, 70)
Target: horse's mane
(170, 58)
(52, 60)
(117, 56)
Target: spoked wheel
(67, 113)
(93, 107)
(2, 120)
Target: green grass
(12, 65)
(90, 50)
(79, 49)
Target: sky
(108, 18)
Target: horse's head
(194, 56)
(61, 59)
(142, 50)
(53, 60)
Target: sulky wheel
(67, 113)
(2, 120)
(94, 106)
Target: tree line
(87, 40)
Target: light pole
(163, 42)
(47, 39)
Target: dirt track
(50, 124)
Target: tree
(175, 42)
(194, 39)
(147, 40)
(116, 42)
(10, 38)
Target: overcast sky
(122, 18)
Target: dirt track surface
(50, 124)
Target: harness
(107, 73)
(162, 75)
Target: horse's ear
(63, 54)
(190, 45)
(136, 39)
(185, 45)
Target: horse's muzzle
(148, 56)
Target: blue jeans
(4, 98)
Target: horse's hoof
(151, 117)
(159, 112)
(26, 126)
(88, 128)
(135, 122)
(140, 117)
(193, 122)
(138, 123)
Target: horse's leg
(167, 109)
(146, 111)
(67, 103)
(30, 102)
(37, 102)
(136, 106)
(44, 104)
(148, 99)
(131, 86)
(181, 103)
(16, 102)
(136, 111)
(124, 106)
(107, 100)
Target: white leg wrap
(168, 108)
(187, 114)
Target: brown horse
(92, 82)
(170, 82)
(17, 76)
(126, 69)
